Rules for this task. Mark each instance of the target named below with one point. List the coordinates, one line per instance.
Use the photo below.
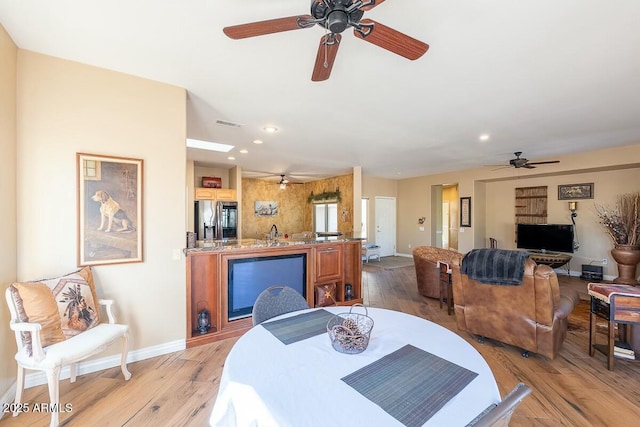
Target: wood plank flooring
(179, 389)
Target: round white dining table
(266, 383)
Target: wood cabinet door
(205, 193)
(225, 194)
(329, 263)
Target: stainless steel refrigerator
(216, 220)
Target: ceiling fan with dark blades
(335, 16)
(284, 182)
(521, 162)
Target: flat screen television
(545, 237)
(248, 277)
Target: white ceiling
(546, 77)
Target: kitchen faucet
(273, 233)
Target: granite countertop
(230, 244)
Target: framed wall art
(266, 208)
(109, 199)
(575, 191)
(465, 211)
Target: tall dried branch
(622, 221)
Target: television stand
(552, 259)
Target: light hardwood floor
(179, 389)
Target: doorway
(445, 224)
(445, 212)
(386, 225)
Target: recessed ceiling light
(208, 145)
(257, 141)
(244, 151)
(231, 158)
(270, 129)
(484, 137)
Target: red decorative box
(211, 182)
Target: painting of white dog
(110, 212)
(109, 209)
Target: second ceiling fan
(521, 162)
(335, 16)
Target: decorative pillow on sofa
(75, 295)
(36, 304)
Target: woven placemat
(410, 384)
(299, 327)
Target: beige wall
(594, 242)
(492, 194)
(8, 213)
(66, 107)
(201, 171)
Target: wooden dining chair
(499, 414)
(276, 300)
(493, 243)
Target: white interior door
(386, 225)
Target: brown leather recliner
(531, 316)
(425, 259)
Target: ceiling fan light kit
(521, 162)
(335, 16)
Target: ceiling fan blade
(528, 166)
(391, 40)
(270, 26)
(544, 163)
(371, 6)
(327, 50)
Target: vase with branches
(622, 222)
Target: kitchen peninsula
(223, 276)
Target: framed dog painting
(109, 209)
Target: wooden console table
(553, 260)
(618, 304)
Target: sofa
(425, 259)
(531, 315)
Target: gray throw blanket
(495, 266)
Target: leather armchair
(425, 259)
(531, 316)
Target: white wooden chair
(370, 251)
(52, 358)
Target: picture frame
(109, 206)
(575, 191)
(266, 208)
(465, 211)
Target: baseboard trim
(404, 255)
(36, 378)
(7, 399)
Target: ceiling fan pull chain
(326, 40)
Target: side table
(445, 285)
(618, 304)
